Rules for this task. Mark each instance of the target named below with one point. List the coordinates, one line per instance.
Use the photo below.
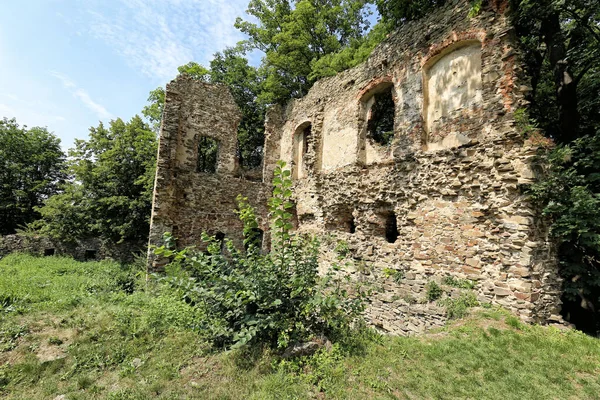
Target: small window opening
(351, 225)
(49, 252)
(220, 237)
(391, 228)
(208, 151)
(256, 236)
(380, 124)
(90, 254)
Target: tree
(154, 109)
(561, 42)
(111, 194)
(31, 163)
(295, 36)
(396, 12)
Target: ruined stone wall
(82, 249)
(439, 194)
(450, 185)
(188, 202)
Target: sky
(68, 64)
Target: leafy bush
(252, 298)
(458, 308)
(434, 291)
(458, 283)
(395, 274)
(570, 195)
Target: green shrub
(395, 274)
(458, 283)
(250, 298)
(434, 291)
(459, 308)
(342, 249)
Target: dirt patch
(54, 343)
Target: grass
(89, 331)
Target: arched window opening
(301, 141)
(380, 117)
(208, 154)
(391, 227)
(452, 83)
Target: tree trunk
(564, 81)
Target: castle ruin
(412, 159)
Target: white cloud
(157, 36)
(27, 112)
(82, 95)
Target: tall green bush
(274, 299)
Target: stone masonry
(444, 198)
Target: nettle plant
(275, 299)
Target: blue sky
(68, 64)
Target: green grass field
(94, 331)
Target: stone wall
(85, 249)
(451, 184)
(188, 202)
(444, 198)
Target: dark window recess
(208, 153)
(257, 236)
(220, 237)
(49, 252)
(391, 228)
(90, 254)
(351, 225)
(306, 135)
(380, 126)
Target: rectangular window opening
(208, 154)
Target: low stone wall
(87, 249)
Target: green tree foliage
(396, 12)
(560, 40)
(570, 194)
(295, 35)
(195, 70)
(111, 193)
(250, 298)
(154, 109)
(31, 163)
(561, 43)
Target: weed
(342, 249)
(459, 307)
(395, 274)
(475, 8)
(458, 283)
(9, 334)
(410, 299)
(54, 340)
(514, 322)
(433, 291)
